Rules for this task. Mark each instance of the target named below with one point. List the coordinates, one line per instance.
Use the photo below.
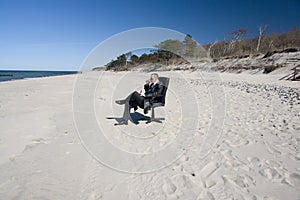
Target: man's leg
(132, 100)
(141, 101)
(126, 113)
(136, 99)
(146, 105)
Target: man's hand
(147, 81)
(141, 93)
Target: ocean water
(8, 75)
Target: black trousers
(134, 99)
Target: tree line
(234, 44)
(127, 61)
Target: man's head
(154, 78)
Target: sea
(9, 75)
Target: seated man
(153, 91)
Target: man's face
(152, 78)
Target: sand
(225, 136)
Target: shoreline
(28, 78)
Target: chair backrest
(165, 83)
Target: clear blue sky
(59, 34)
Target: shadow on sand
(136, 117)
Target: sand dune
(225, 136)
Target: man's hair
(155, 74)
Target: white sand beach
(225, 136)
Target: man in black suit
(153, 93)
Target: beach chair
(153, 105)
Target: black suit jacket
(154, 92)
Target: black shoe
(123, 122)
(146, 109)
(135, 108)
(121, 102)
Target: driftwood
(292, 76)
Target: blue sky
(59, 34)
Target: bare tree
(234, 37)
(127, 55)
(239, 34)
(210, 47)
(262, 30)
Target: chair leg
(152, 113)
(153, 119)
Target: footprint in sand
(270, 173)
(169, 187)
(206, 195)
(272, 149)
(292, 179)
(237, 142)
(254, 161)
(209, 169)
(233, 162)
(210, 183)
(39, 140)
(293, 157)
(239, 181)
(184, 182)
(274, 163)
(34, 144)
(238, 186)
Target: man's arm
(146, 86)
